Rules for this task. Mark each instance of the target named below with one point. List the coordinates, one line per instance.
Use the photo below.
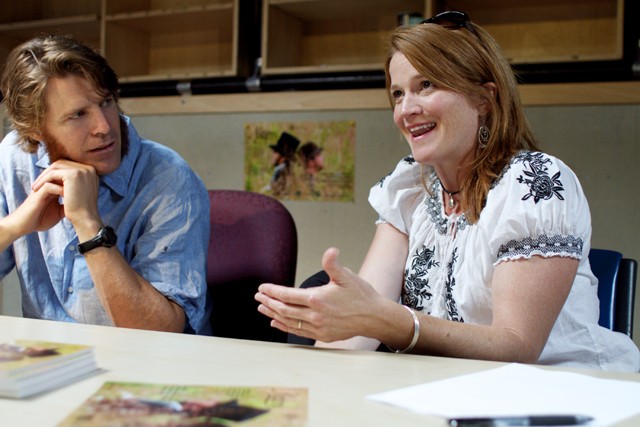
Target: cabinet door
(171, 39)
(329, 35)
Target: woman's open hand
(335, 311)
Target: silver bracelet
(416, 332)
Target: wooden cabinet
(547, 31)
(142, 39)
(338, 35)
(171, 39)
(301, 36)
(21, 20)
(185, 40)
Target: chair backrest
(253, 241)
(626, 296)
(616, 288)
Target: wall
(600, 142)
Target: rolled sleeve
(171, 254)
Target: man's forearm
(129, 299)
(7, 234)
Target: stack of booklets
(32, 367)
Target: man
(103, 226)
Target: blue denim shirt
(159, 209)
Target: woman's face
(439, 125)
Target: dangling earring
(483, 135)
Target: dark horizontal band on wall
(610, 71)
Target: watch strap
(106, 237)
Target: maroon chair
(253, 240)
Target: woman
(482, 238)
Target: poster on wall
(301, 160)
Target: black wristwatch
(106, 237)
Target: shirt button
(70, 289)
(72, 248)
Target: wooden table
(338, 381)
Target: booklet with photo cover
(31, 367)
(153, 405)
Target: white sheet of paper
(520, 390)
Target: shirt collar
(118, 180)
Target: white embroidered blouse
(536, 207)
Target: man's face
(81, 125)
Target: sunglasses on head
(451, 20)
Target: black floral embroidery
(416, 284)
(408, 159)
(546, 245)
(541, 185)
(452, 308)
(381, 182)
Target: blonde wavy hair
(27, 70)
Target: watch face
(109, 237)
(106, 237)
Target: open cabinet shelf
(160, 41)
(301, 36)
(142, 40)
(20, 21)
(187, 42)
(545, 31)
(328, 35)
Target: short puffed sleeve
(396, 196)
(537, 207)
